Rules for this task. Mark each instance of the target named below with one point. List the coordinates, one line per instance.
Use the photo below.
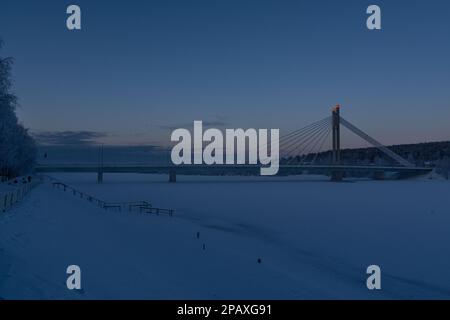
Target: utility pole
(100, 165)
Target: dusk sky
(139, 68)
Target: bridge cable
(303, 128)
(304, 131)
(375, 143)
(313, 139)
(308, 140)
(291, 138)
(321, 145)
(319, 142)
(301, 140)
(300, 146)
(292, 144)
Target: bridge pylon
(336, 175)
(336, 122)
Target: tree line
(428, 154)
(17, 147)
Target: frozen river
(231, 237)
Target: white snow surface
(315, 239)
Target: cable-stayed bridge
(303, 151)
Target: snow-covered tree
(17, 148)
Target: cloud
(214, 123)
(68, 137)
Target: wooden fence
(18, 191)
(141, 206)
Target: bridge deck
(226, 169)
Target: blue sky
(139, 68)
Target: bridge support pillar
(337, 176)
(99, 176)
(172, 176)
(379, 175)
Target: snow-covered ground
(315, 239)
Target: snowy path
(307, 249)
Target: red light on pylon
(336, 108)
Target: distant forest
(429, 154)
